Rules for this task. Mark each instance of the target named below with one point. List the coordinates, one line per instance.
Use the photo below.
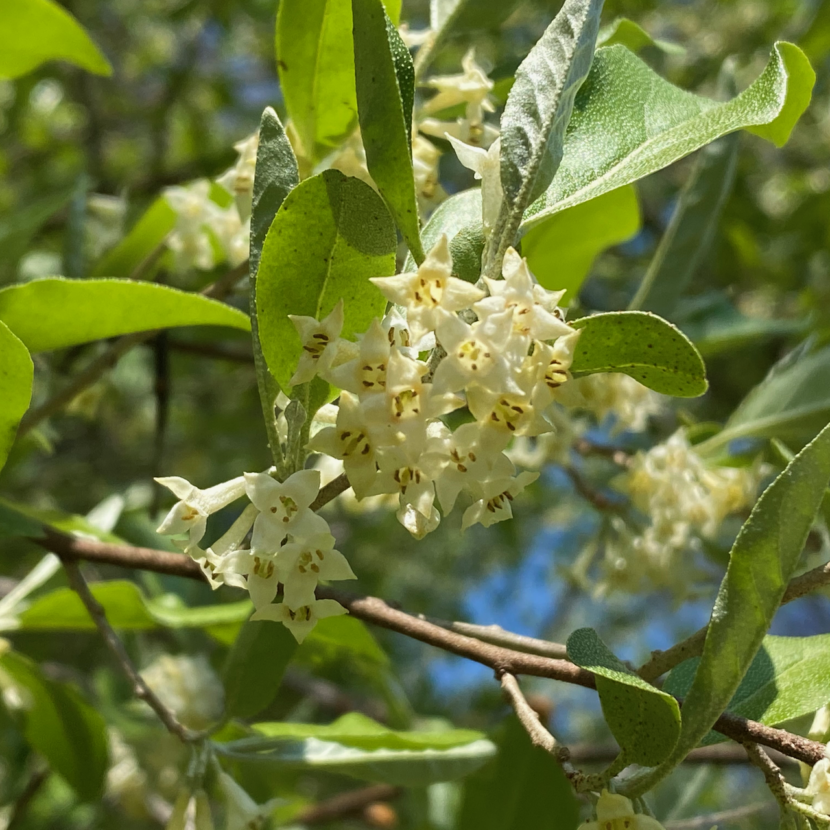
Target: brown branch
(331, 491)
(725, 754)
(347, 804)
(105, 361)
(661, 662)
(594, 497)
(141, 690)
(377, 612)
(21, 805)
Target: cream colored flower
(486, 164)
(616, 812)
(300, 621)
(320, 344)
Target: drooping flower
(189, 514)
(302, 563)
(494, 505)
(239, 179)
(486, 164)
(471, 87)
(819, 786)
(241, 811)
(300, 621)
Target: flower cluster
(290, 545)
(188, 687)
(819, 785)
(505, 367)
(206, 233)
(685, 499)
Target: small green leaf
(614, 138)
(690, 233)
(55, 313)
(69, 733)
(644, 720)
(358, 746)
(762, 562)
(541, 100)
(330, 236)
(561, 250)
(792, 402)
(16, 375)
(143, 239)
(35, 31)
(59, 520)
(383, 119)
(787, 678)
(523, 788)
(629, 34)
(459, 217)
(255, 666)
(275, 177)
(643, 346)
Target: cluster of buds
(206, 233)
(505, 367)
(290, 545)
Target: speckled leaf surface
(629, 122)
(644, 720)
(643, 346)
(330, 236)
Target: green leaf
(344, 636)
(404, 74)
(16, 375)
(58, 519)
(792, 403)
(35, 31)
(786, 679)
(143, 239)
(762, 562)
(330, 236)
(70, 734)
(690, 233)
(275, 177)
(126, 608)
(459, 217)
(644, 721)
(358, 746)
(255, 666)
(55, 313)
(383, 119)
(643, 346)
(627, 33)
(523, 788)
(315, 59)
(541, 100)
(614, 138)
(560, 252)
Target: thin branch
(347, 804)
(539, 735)
(594, 497)
(713, 819)
(719, 754)
(107, 359)
(21, 805)
(331, 491)
(377, 612)
(140, 688)
(498, 636)
(661, 662)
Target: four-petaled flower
(494, 505)
(320, 344)
(302, 563)
(616, 812)
(299, 621)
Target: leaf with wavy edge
(629, 122)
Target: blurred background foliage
(191, 77)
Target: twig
(705, 822)
(32, 788)
(539, 735)
(331, 491)
(594, 497)
(661, 662)
(110, 357)
(140, 688)
(377, 612)
(347, 804)
(496, 635)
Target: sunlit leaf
(643, 346)
(55, 313)
(16, 375)
(35, 31)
